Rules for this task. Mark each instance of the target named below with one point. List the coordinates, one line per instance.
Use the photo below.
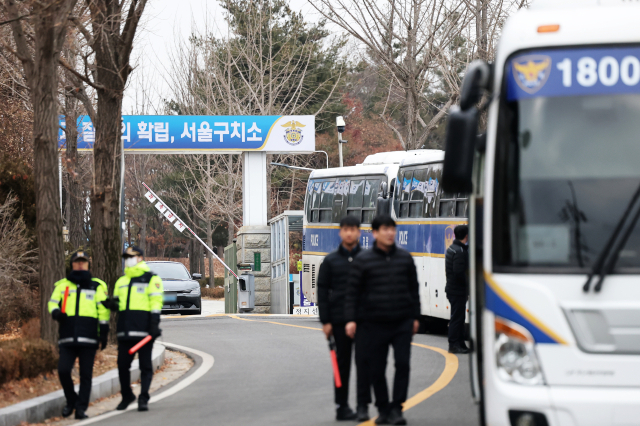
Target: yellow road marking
(273, 322)
(450, 370)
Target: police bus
(405, 185)
(554, 244)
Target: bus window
(453, 205)
(339, 199)
(418, 189)
(354, 200)
(447, 204)
(462, 203)
(370, 199)
(307, 204)
(404, 195)
(433, 183)
(326, 201)
(396, 193)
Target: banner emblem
(531, 72)
(293, 135)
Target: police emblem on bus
(293, 135)
(531, 72)
(449, 236)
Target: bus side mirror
(462, 128)
(383, 206)
(477, 79)
(383, 190)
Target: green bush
(20, 359)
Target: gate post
(230, 282)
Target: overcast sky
(166, 22)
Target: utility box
(246, 293)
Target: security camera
(340, 123)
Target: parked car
(181, 290)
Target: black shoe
(363, 413)
(125, 402)
(344, 412)
(382, 419)
(67, 411)
(143, 405)
(80, 414)
(458, 350)
(395, 417)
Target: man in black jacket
(332, 287)
(456, 262)
(383, 304)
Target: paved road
(280, 374)
(209, 307)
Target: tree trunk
(143, 233)
(209, 255)
(105, 200)
(75, 205)
(231, 227)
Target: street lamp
(341, 125)
(327, 155)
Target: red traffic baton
(334, 362)
(140, 344)
(64, 301)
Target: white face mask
(130, 262)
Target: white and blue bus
(555, 199)
(425, 215)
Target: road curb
(38, 409)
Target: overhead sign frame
(202, 134)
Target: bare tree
(268, 62)
(408, 40)
(108, 28)
(37, 45)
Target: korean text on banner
(149, 196)
(161, 207)
(192, 134)
(179, 226)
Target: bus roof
(397, 157)
(360, 169)
(435, 156)
(580, 23)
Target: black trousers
(68, 355)
(377, 337)
(344, 346)
(124, 364)
(456, 323)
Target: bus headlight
(516, 358)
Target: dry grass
(213, 293)
(18, 298)
(19, 390)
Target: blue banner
(190, 134)
(573, 72)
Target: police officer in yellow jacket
(84, 322)
(140, 296)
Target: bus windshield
(567, 163)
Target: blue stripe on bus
(421, 238)
(510, 310)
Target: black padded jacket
(383, 287)
(332, 284)
(456, 264)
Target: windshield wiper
(609, 256)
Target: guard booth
(230, 282)
(281, 227)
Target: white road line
(207, 363)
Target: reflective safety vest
(84, 313)
(140, 293)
